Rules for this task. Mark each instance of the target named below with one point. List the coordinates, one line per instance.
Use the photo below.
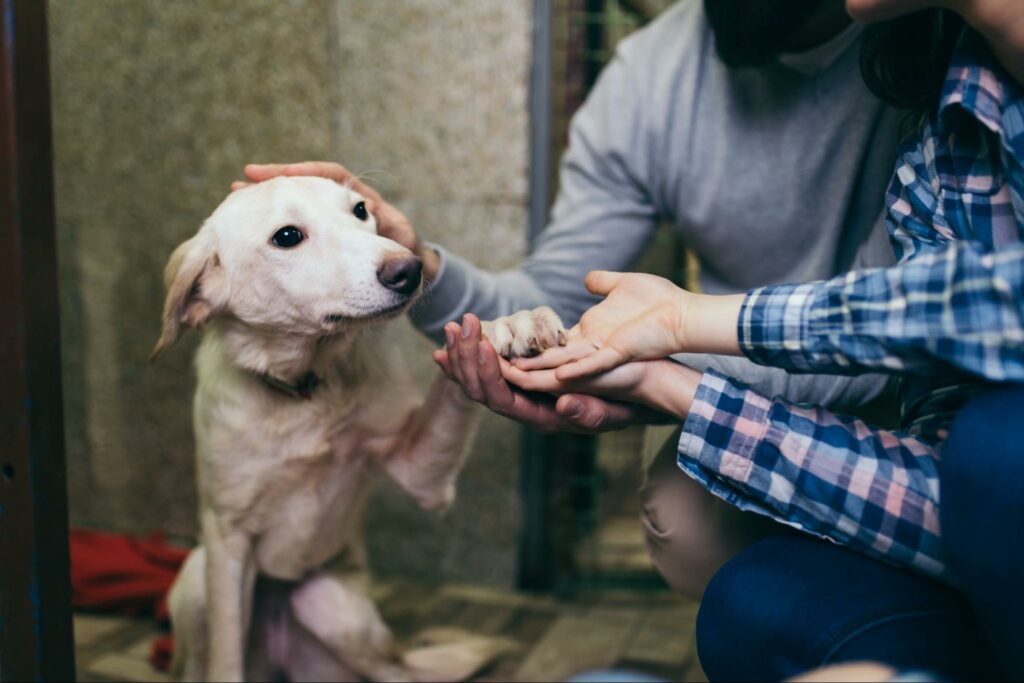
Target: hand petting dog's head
(299, 255)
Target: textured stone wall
(157, 105)
(433, 108)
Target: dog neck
(290, 363)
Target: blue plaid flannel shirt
(948, 317)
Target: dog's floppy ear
(188, 271)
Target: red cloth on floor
(127, 575)
(120, 573)
(161, 653)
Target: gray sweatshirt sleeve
(840, 394)
(602, 219)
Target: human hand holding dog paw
(643, 317)
(525, 333)
(391, 222)
(664, 387)
(471, 361)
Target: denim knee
(741, 621)
(788, 605)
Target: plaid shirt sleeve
(960, 305)
(954, 298)
(875, 491)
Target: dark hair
(904, 61)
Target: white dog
(299, 406)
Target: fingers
(452, 334)
(572, 412)
(323, 169)
(601, 360)
(555, 356)
(535, 411)
(441, 358)
(462, 345)
(602, 281)
(592, 414)
(533, 380)
(496, 393)
(238, 185)
(467, 352)
(539, 412)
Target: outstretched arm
(958, 307)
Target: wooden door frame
(35, 591)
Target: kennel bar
(536, 561)
(35, 593)
(562, 482)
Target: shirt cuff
(444, 299)
(726, 424)
(773, 326)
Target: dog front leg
(230, 580)
(428, 453)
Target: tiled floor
(641, 630)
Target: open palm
(639, 319)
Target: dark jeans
(982, 516)
(790, 604)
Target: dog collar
(304, 388)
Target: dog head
(294, 254)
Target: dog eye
(287, 237)
(359, 210)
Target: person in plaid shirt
(949, 319)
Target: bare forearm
(669, 388)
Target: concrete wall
(157, 106)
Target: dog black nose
(401, 274)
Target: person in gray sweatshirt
(744, 124)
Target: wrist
(669, 387)
(710, 324)
(431, 262)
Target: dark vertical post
(536, 569)
(35, 593)
(595, 40)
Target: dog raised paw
(526, 333)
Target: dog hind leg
(345, 620)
